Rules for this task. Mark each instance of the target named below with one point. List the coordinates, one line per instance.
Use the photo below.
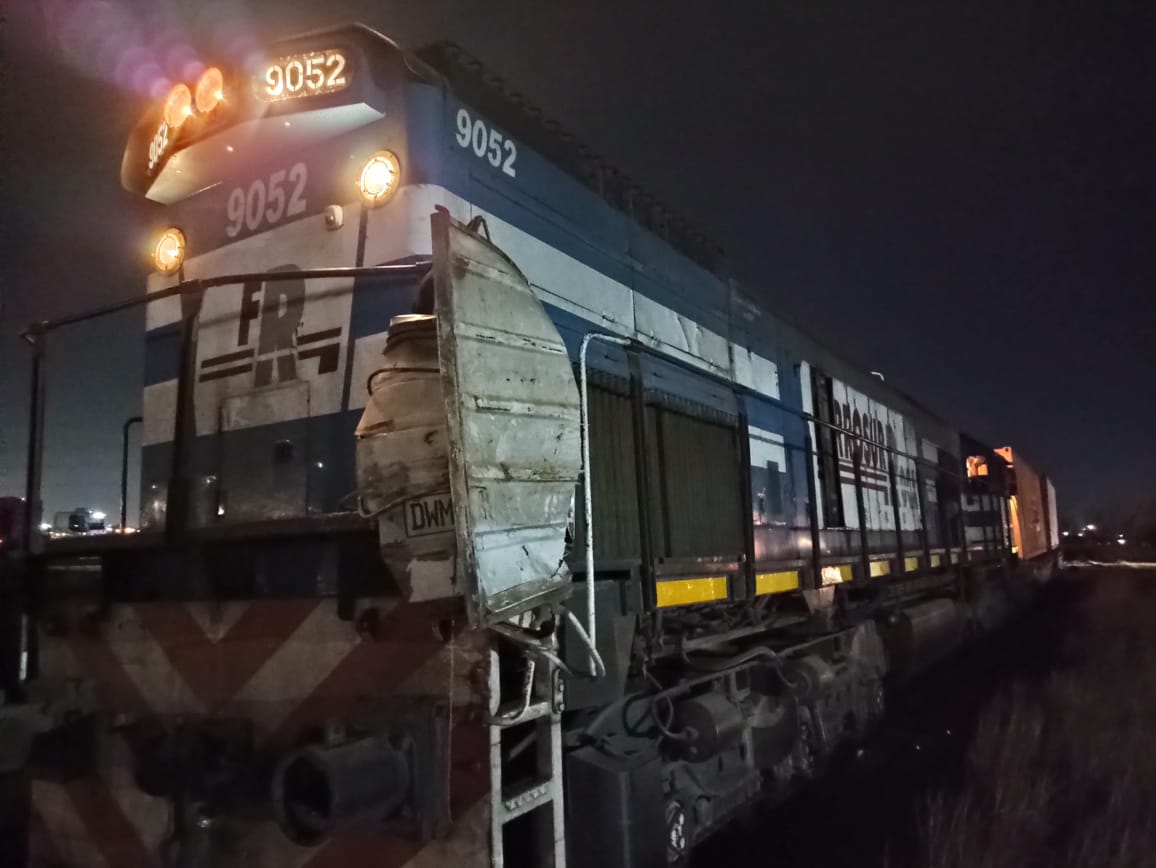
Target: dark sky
(960, 195)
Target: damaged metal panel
(512, 412)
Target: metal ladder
(507, 805)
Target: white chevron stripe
(462, 658)
(149, 816)
(468, 847)
(216, 620)
(265, 846)
(295, 670)
(145, 662)
(68, 835)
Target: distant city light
(45, 526)
(1089, 527)
(1121, 541)
(1065, 533)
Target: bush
(1063, 773)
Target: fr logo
(269, 340)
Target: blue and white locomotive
(502, 523)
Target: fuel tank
(923, 634)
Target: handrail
(198, 284)
(128, 423)
(194, 288)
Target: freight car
(484, 519)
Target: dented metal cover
(512, 412)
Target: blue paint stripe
(162, 358)
(375, 302)
(547, 203)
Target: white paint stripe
(217, 619)
(462, 659)
(68, 835)
(265, 846)
(295, 670)
(57, 660)
(573, 286)
(763, 434)
(1129, 565)
(150, 816)
(159, 405)
(145, 662)
(166, 311)
(403, 229)
(467, 847)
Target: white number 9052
(486, 142)
(266, 202)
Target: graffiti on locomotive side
(874, 433)
(886, 439)
(268, 337)
(428, 515)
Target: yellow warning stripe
(910, 565)
(776, 583)
(683, 592)
(880, 568)
(837, 573)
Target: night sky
(959, 195)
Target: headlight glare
(169, 251)
(379, 178)
(210, 90)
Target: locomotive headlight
(178, 106)
(210, 90)
(379, 177)
(169, 251)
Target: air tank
(403, 461)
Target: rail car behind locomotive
(484, 520)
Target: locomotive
(484, 519)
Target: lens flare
(169, 251)
(178, 106)
(113, 40)
(210, 90)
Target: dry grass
(1063, 773)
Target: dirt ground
(1037, 748)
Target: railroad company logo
(269, 337)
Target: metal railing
(191, 293)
